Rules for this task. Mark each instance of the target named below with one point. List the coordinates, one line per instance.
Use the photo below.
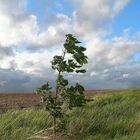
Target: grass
(114, 116)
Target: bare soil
(25, 100)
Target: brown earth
(25, 100)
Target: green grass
(114, 116)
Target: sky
(33, 31)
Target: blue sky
(44, 9)
(33, 31)
(128, 18)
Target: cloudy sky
(33, 31)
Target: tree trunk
(54, 128)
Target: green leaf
(61, 81)
(44, 89)
(79, 88)
(82, 49)
(81, 71)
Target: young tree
(66, 96)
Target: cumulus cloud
(110, 54)
(35, 63)
(5, 52)
(111, 63)
(54, 34)
(113, 52)
(94, 18)
(15, 26)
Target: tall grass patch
(113, 116)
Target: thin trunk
(56, 94)
(56, 98)
(54, 128)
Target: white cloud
(111, 63)
(6, 63)
(92, 74)
(126, 75)
(33, 63)
(54, 34)
(94, 18)
(104, 54)
(15, 26)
